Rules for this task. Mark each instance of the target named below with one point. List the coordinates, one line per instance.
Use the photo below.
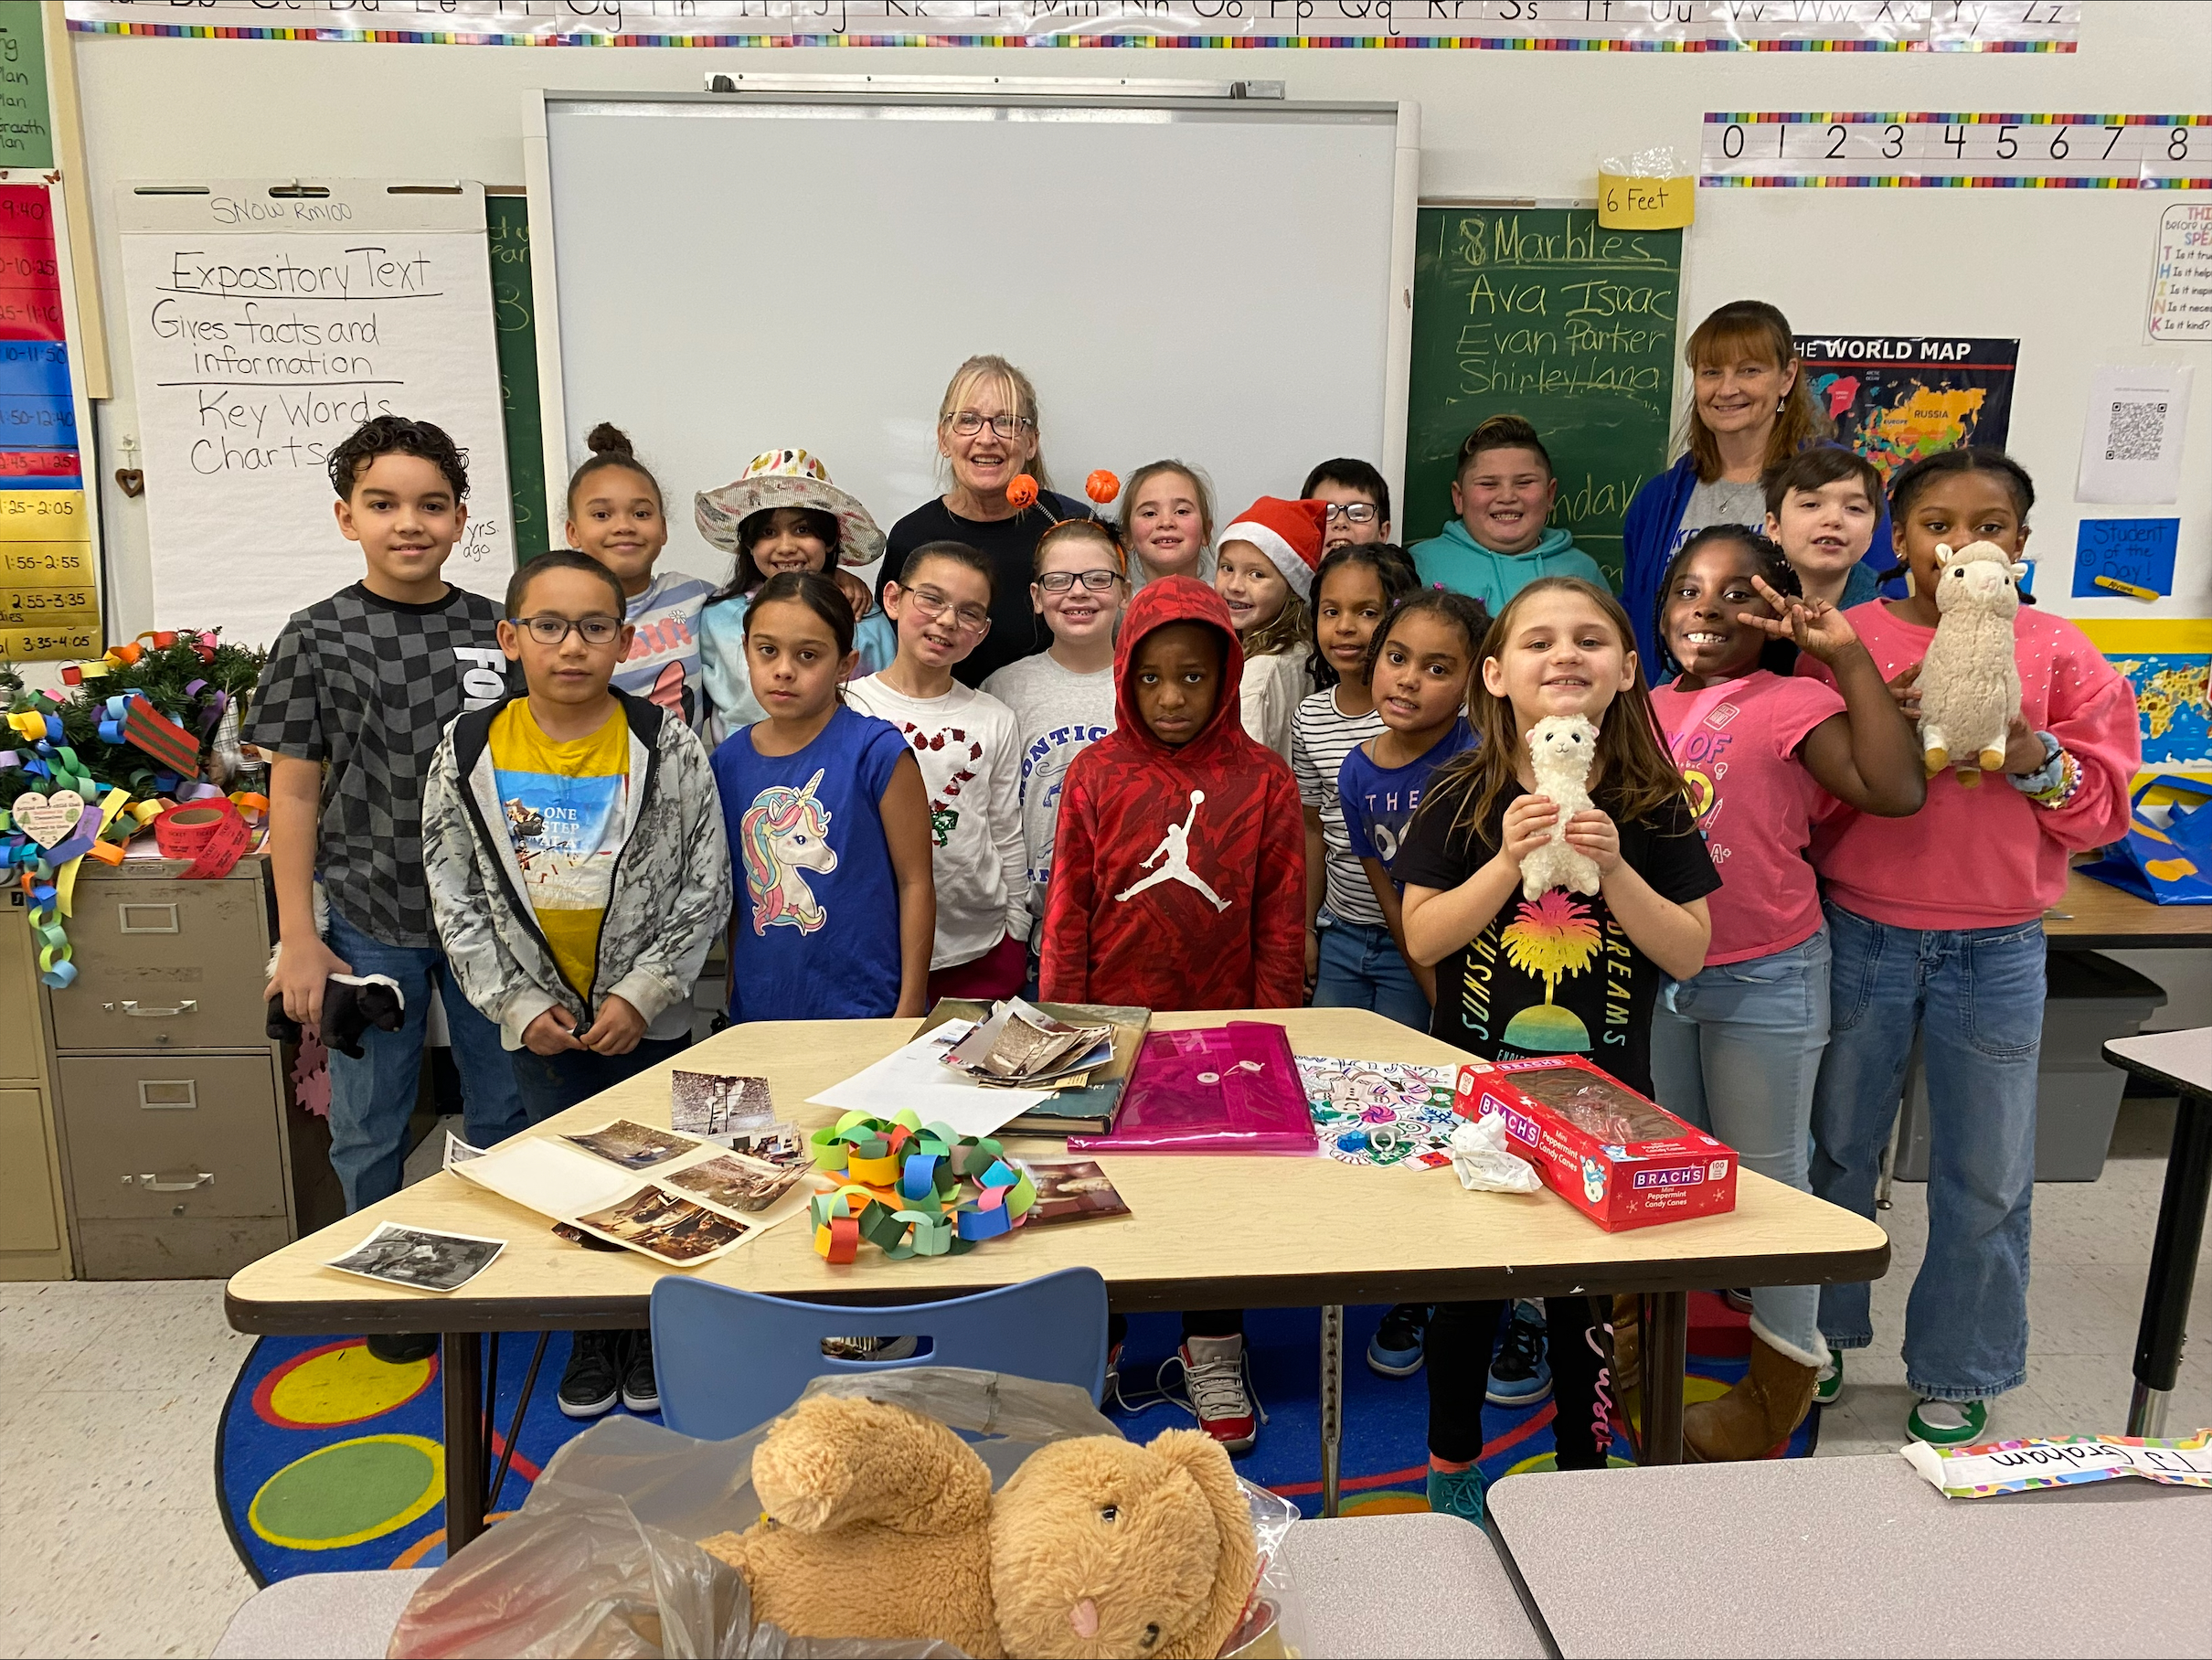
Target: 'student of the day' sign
(1633, 25)
(264, 328)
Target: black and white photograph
(714, 1104)
(632, 1145)
(419, 1258)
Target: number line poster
(264, 329)
(1949, 149)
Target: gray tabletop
(1824, 1557)
(1384, 1586)
(2182, 1058)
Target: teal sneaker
(1828, 1382)
(1947, 1423)
(1457, 1493)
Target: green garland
(161, 674)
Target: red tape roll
(210, 833)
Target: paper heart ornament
(48, 819)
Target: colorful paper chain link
(912, 1189)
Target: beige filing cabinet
(33, 1244)
(169, 1094)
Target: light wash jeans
(1736, 1051)
(371, 1099)
(1361, 967)
(1976, 995)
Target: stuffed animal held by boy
(1969, 681)
(881, 1523)
(1561, 749)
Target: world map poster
(1894, 397)
(2169, 664)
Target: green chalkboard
(27, 124)
(507, 230)
(1538, 312)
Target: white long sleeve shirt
(969, 745)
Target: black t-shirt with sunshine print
(1554, 974)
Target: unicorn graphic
(785, 831)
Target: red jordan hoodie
(1179, 875)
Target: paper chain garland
(912, 1189)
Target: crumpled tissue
(1480, 1162)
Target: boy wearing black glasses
(353, 700)
(1359, 498)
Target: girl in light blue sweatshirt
(1500, 541)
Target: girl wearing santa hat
(1265, 575)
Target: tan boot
(1756, 1416)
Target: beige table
(2096, 916)
(1204, 1232)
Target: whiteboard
(266, 322)
(1210, 280)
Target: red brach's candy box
(1617, 1157)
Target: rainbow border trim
(1949, 118)
(1953, 181)
(1464, 43)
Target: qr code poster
(2131, 434)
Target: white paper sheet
(540, 1173)
(2131, 434)
(917, 1077)
(2181, 275)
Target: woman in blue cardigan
(1749, 409)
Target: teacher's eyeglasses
(552, 631)
(1060, 582)
(967, 424)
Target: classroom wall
(2067, 271)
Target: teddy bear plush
(881, 1523)
(1560, 750)
(1970, 681)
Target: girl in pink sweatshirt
(1936, 925)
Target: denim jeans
(1736, 1050)
(1361, 967)
(1976, 995)
(554, 1083)
(371, 1099)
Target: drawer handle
(153, 1010)
(168, 1094)
(154, 1184)
(157, 919)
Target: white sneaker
(1213, 1371)
(870, 1348)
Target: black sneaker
(402, 1348)
(640, 1393)
(1520, 1375)
(588, 1388)
(1395, 1350)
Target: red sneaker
(1213, 1372)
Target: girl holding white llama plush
(1936, 927)
(1561, 971)
(1736, 1049)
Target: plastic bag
(1483, 1164)
(600, 1560)
(1220, 1089)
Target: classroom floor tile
(110, 1394)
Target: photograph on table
(634, 1146)
(419, 1258)
(713, 1104)
(1073, 1192)
(736, 1182)
(667, 1226)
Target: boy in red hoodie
(1178, 882)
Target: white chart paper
(2131, 434)
(2181, 275)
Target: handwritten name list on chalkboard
(1541, 313)
(264, 329)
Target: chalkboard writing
(1542, 313)
(27, 126)
(507, 229)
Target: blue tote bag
(2168, 867)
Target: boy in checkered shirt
(352, 701)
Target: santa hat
(1288, 533)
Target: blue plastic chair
(727, 1361)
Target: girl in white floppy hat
(783, 515)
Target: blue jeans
(554, 1083)
(1976, 995)
(372, 1097)
(1361, 967)
(1735, 1050)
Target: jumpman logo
(1173, 857)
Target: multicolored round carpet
(329, 1459)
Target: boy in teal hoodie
(1502, 494)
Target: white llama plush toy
(1970, 682)
(1560, 750)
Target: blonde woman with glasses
(987, 436)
